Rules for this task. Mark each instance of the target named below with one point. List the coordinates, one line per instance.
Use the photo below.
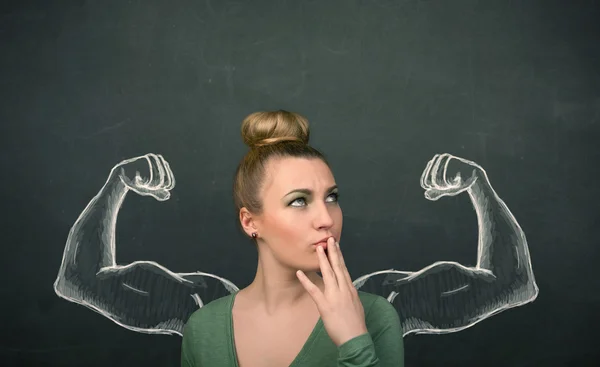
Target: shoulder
(379, 312)
(205, 335)
(216, 311)
(370, 300)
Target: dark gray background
(511, 85)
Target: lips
(322, 243)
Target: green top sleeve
(187, 343)
(382, 346)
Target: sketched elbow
(524, 292)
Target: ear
(248, 221)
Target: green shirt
(208, 339)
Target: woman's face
(300, 208)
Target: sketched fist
(156, 178)
(447, 175)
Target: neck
(276, 288)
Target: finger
(328, 275)
(160, 162)
(423, 174)
(160, 172)
(166, 170)
(171, 175)
(163, 164)
(311, 288)
(160, 195)
(337, 265)
(434, 194)
(139, 181)
(426, 173)
(444, 176)
(435, 180)
(345, 275)
(440, 175)
(150, 168)
(456, 181)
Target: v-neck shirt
(208, 339)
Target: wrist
(359, 332)
(114, 183)
(355, 344)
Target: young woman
(287, 201)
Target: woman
(287, 201)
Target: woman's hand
(340, 307)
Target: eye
(335, 196)
(296, 201)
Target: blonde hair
(270, 134)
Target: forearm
(358, 352)
(381, 346)
(91, 242)
(502, 247)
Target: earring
(254, 235)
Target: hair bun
(271, 127)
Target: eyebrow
(308, 192)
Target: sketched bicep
(143, 297)
(441, 298)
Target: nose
(323, 218)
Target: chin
(309, 267)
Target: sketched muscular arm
(142, 296)
(447, 296)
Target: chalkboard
(506, 91)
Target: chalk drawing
(444, 297)
(142, 296)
